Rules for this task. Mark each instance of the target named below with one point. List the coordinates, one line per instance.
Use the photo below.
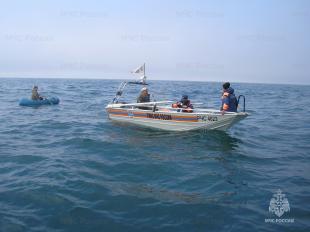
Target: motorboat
(161, 115)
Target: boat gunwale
(207, 111)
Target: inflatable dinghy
(46, 101)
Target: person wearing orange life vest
(184, 103)
(229, 100)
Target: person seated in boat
(35, 95)
(144, 96)
(229, 100)
(184, 103)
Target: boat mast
(121, 88)
(144, 70)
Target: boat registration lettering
(207, 118)
(159, 116)
(212, 118)
(202, 118)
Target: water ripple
(68, 168)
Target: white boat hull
(175, 121)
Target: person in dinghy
(185, 104)
(35, 96)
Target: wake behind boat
(161, 115)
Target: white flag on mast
(141, 69)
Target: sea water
(69, 168)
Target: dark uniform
(143, 98)
(229, 100)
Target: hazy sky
(236, 40)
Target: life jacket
(187, 110)
(229, 101)
(177, 105)
(186, 106)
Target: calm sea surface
(68, 168)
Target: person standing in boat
(144, 96)
(35, 95)
(229, 100)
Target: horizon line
(122, 79)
